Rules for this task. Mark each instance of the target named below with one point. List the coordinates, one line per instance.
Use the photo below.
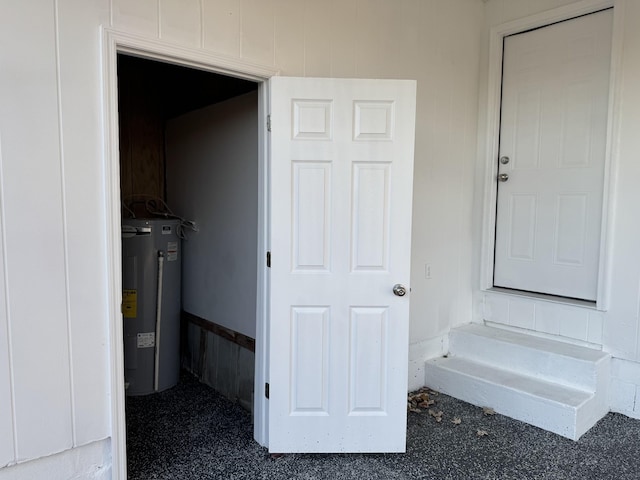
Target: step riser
(540, 364)
(561, 419)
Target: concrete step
(556, 386)
(542, 358)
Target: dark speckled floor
(190, 432)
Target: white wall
(54, 391)
(619, 326)
(212, 178)
(54, 311)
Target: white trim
(611, 159)
(260, 402)
(115, 42)
(496, 37)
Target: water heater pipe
(156, 370)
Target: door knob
(399, 290)
(503, 177)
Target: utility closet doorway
(189, 162)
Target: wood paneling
(220, 357)
(141, 133)
(151, 92)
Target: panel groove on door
(310, 360)
(311, 215)
(570, 228)
(367, 360)
(370, 237)
(312, 119)
(373, 120)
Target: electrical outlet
(427, 271)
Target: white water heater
(151, 304)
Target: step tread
(543, 389)
(533, 342)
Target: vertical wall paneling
(317, 42)
(622, 321)
(34, 225)
(407, 39)
(79, 20)
(342, 37)
(257, 31)
(7, 407)
(289, 37)
(180, 22)
(221, 26)
(368, 39)
(391, 29)
(139, 16)
(65, 245)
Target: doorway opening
(189, 183)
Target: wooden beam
(224, 332)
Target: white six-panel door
(552, 142)
(341, 192)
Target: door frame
(491, 151)
(114, 42)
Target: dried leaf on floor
(437, 415)
(488, 411)
(419, 400)
(482, 433)
(456, 420)
(415, 410)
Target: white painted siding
(212, 178)
(35, 243)
(54, 368)
(81, 137)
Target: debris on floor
(420, 399)
(436, 415)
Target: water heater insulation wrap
(143, 241)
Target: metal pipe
(156, 370)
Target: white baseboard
(419, 353)
(624, 392)
(88, 462)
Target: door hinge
(269, 259)
(266, 390)
(268, 123)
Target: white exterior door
(552, 148)
(341, 192)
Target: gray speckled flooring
(190, 432)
